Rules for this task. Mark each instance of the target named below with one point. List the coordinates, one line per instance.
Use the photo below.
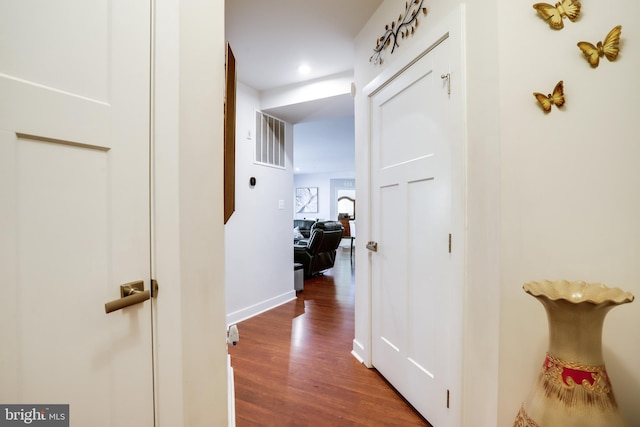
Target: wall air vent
(270, 141)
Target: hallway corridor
(293, 365)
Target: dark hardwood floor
(293, 365)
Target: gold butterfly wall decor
(556, 98)
(554, 14)
(609, 48)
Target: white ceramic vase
(573, 388)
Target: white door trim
(389, 74)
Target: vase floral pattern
(573, 388)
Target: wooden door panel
(402, 128)
(392, 291)
(411, 220)
(61, 198)
(422, 247)
(63, 46)
(57, 59)
(74, 203)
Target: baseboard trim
(255, 309)
(231, 391)
(358, 352)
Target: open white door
(74, 208)
(416, 310)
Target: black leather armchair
(304, 226)
(319, 252)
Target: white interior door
(74, 207)
(414, 321)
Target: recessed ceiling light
(304, 69)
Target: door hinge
(449, 242)
(448, 398)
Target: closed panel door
(411, 202)
(74, 208)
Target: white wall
(259, 234)
(324, 145)
(200, 157)
(323, 182)
(188, 257)
(569, 190)
(191, 357)
(548, 196)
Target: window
(269, 140)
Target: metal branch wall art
(405, 26)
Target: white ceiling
(270, 39)
(319, 109)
